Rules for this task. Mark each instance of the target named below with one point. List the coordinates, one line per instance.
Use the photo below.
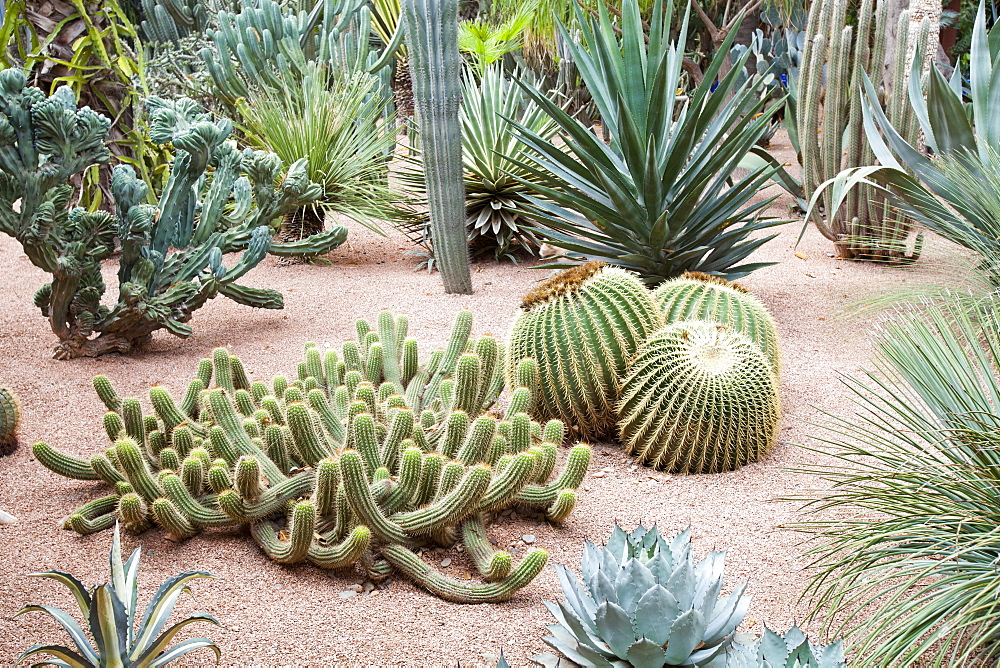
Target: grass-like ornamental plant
(658, 198)
(699, 397)
(582, 326)
(791, 649)
(644, 601)
(337, 124)
(696, 296)
(364, 458)
(10, 420)
(117, 635)
(909, 572)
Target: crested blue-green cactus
(171, 261)
(435, 71)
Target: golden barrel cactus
(699, 398)
(581, 327)
(10, 419)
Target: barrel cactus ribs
(364, 457)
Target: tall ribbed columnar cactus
(699, 398)
(581, 327)
(435, 70)
(696, 296)
(836, 59)
(10, 419)
(373, 451)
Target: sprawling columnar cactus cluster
(366, 456)
(217, 200)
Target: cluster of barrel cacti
(685, 376)
(362, 458)
(171, 252)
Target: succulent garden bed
(299, 614)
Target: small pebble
(6, 518)
(277, 586)
(368, 587)
(607, 469)
(446, 562)
(356, 588)
(347, 593)
(600, 474)
(528, 538)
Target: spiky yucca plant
(699, 398)
(696, 296)
(111, 613)
(660, 198)
(644, 601)
(581, 326)
(910, 573)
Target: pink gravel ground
(278, 615)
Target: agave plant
(644, 602)
(954, 191)
(789, 650)
(496, 198)
(661, 197)
(338, 124)
(110, 610)
(910, 572)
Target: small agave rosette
(644, 600)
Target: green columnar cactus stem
(389, 474)
(10, 419)
(704, 297)
(581, 327)
(135, 466)
(247, 478)
(836, 61)
(562, 507)
(427, 577)
(493, 565)
(101, 464)
(699, 398)
(168, 516)
(106, 393)
(132, 511)
(83, 525)
(350, 551)
(197, 513)
(435, 70)
(91, 510)
(300, 535)
(449, 508)
(359, 495)
(113, 426)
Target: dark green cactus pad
(699, 398)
